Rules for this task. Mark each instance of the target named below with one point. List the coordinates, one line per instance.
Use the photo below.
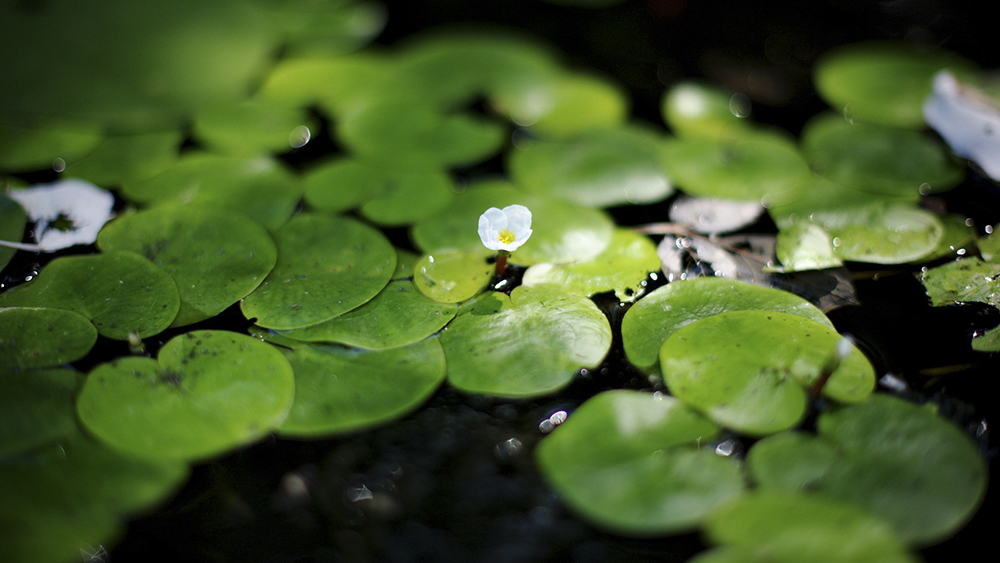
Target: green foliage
(128, 158)
(12, 221)
(33, 338)
(208, 392)
(692, 109)
(452, 276)
(36, 408)
(630, 462)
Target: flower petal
(490, 224)
(519, 220)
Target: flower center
(506, 236)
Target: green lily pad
(746, 369)
(337, 84)
(562, 105)
(72, 495)
(23, 149)
(326, 267)
(988, 341)
(884, 83)
(962, 281)
(215, 258)
(251, 128)
(790, 461)
(12, 222)
(805, 246)
(958, 236)
(402, 132)
(692, 109)
(648, 323)
(123, 159)
(597, 168)
(878, 158)
(529, 344)
(900, 461)
(165, 59)
(787, 527)
(34, 338)
(313, 29)
(387, 196)
(397, 316)
(452, 276)
(258, 187)
(629, 462)
(120, 292)
(886, 233)
(339, 390)
(36, 407)
(209, 392)
(623, 267)
(563, 232)
(752, 166)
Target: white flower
(505, 229)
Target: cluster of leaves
(352, 331)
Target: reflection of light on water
(549, 424)
(726, 448)
(299, 136)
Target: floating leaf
(12, 222)
(752, 166)
(881, 233)
(562, 232)
(402, 132)
(758, 389)
(961, 281)
(251, 128)
(900, 461)
(215, 258)
(337, 84)
(957, 238)
(209, 392)
(339, 390)
(597, 168)
(326, 267)
(648, 323)
(526, 345)
(128, 158)
(787, 527)
(120, 292)
(66, 213)
(699, 110)
(397, 316)
(315, 29)
(34, 338)
(42, 147)
(562, 104)
(258, 187)
(73, 494)
(629, 462)
(877, 158)
(805, 246)
(452, 276)
(791, 461)
(623, 267)
(36, 407)
(882, 82)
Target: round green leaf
(120, 292)
(628, 462)
(215, 258)
(12, 222)
(597, 168)
(886, 233)
(326, 266)
(699, 110)
(122, 159)
(251, 128)
(337, 84)
(73, 494)
(208, 392)
(751, 166)
(904, 464)
(36, 407)
(788, 527)
(33, 338)
(452, 276)
(746, 369)
(649, 322)
(563, 232)
(962, 281)
(623, 267)
(397, 316)
(339, 390)
(24, 149)
(883, 83)
(526, 345)
(258, 187)
(805, 246)
(878, 158)
(563, 104)
(790, 461)
(403, 132)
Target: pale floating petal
(967, 120)
(85, 206)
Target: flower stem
(502, 262)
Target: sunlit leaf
(252, 128)
(563, 104)
(692, 109)
(452, 276)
